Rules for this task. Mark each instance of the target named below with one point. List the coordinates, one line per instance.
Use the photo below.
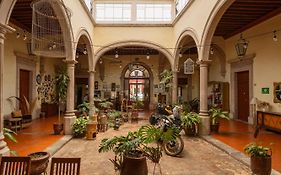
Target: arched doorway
(137, 84)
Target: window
(154, 12)
(180, 4)
(113, 12)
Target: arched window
(136, 71)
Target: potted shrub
(216, 114)
(260, 158)
(114, 119)
(61, 84)
(79, 127)
(190, 122)
(132, 150)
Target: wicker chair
(15, 166)
(65, 166)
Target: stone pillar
(175, 87)
(4, 150)
(69, 116)
(91, 91)
(204, 128)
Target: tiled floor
(36, 137)
(237, 134)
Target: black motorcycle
(163, 119)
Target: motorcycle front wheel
(175, 147)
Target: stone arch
(151, 78)
(83, 33)
(7, 6)
(155, 46)
(218, 51)
(192, 36)
(210, 27)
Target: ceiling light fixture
(241, 46)
(116, 53)
(275, 36)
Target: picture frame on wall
(277, 92)
(113, 86)
(96, 85)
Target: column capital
(204, 62)
(70, 62)
(92, 71)
(6, 29)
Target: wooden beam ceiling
(244, 14)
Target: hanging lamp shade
(49, 26)
(241, 46)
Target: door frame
(241, 65)
(26, 62)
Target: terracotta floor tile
(238, 134)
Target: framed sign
(189, 66)
(265, 90)
(277, 92)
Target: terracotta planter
(39, 162)
(190, 131)
(134, 166)
(58, 128)
(261, 165)
(91, 130)
(215, 127)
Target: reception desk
(269, 120)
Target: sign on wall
(265, 90)
(189, 66)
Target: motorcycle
(166, 122)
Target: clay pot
(91, 130)
(39, 162)
(261, 165)
(190, 131)
(134, 165)
(58, 128)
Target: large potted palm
(61, 84)
(132, 150)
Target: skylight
(113, 12)
(154, 12)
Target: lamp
(241, 46)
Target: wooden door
(243, 95)
(24, 88)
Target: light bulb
(116, 55)
(18, 35)
(275, 36)
(77, 55)
(50, 48)
(180, 54)
(100, 61)
(120, 66)
(148, 56)
(212, 51)
(24, 37)
(85, 51)
(54, 45)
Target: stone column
(69, 116)
(175, 87)
(91, 91)
(4, 150)
(204, 128)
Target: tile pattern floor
(238, 134)
(36, 137)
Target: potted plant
(79, 127)
(61, 84)
(260, 158)
(190, 122)
(39, 162)
(132, 150)
(216, 114)
(114, 119)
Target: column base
(4, 150)
(69, 119)
(204, 127)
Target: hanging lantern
(241, 46)
(189, 66)
(49, 26)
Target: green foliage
(9, 134)
(190, 119)
(105, 105)
(84, 108)
(79, 127)
(216, 113)
(191, 106)
(61, 84)
(255, 150)
(137, 144)
(166, 78)
(138, 104)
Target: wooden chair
(15, 165)
(65, 166)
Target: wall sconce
(241, 46)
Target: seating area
(23, 165)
